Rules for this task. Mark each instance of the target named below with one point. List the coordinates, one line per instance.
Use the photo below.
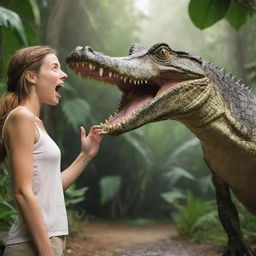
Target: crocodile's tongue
(134, 99)
(128, 109)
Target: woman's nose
(63, 75)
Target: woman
(35, 78)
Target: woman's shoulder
(20, 115)
(19, 124)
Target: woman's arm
(89, 148)
(20, 130)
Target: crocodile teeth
(101, 71)
(90, 66)
(110, 74)
(125, 79)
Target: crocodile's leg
(230, 221)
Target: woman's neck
(33, 105)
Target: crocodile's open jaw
(144, 77)
(137, 93)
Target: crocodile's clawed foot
(238, 247)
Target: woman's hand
(89, 148)
(90, 144)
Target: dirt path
(112, 239)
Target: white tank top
(47, 187)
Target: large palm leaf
(11, 20)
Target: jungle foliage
(134, 175)
(205, 13)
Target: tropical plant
(7, 205)
(197, 220)
(194, 218)
(15, 31)
(7, 214)
(205, 13)
(73, 196)
(11, 20)
(158, 169)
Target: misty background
(138, 174)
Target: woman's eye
(163, 53)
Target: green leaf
(7, 214)
(180, 149)
(109, 187)
(74, 195)
(36, 11)
(76, 111)
(8, 205)
(11, 20)
(139, 144)
(171, 197)
(237, 14)
(177, 173)
(205, 13)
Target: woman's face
(49, 80)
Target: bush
(7, 210)
(195, 219)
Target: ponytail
(8, 102)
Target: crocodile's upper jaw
(142, 87)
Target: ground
(115, 239)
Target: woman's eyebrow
(56, 64)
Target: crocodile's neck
(239, 101)
(211, 120)
(224, 100)
(204, 109)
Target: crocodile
(160, 83)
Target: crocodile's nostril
(88, 48)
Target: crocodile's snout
(79, 48)
(83, 49)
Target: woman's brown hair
(26, 59)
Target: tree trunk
(54, 23)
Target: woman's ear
(31, 77)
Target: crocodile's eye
(163, 53)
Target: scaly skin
(160, 84)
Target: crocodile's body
(159, 84)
